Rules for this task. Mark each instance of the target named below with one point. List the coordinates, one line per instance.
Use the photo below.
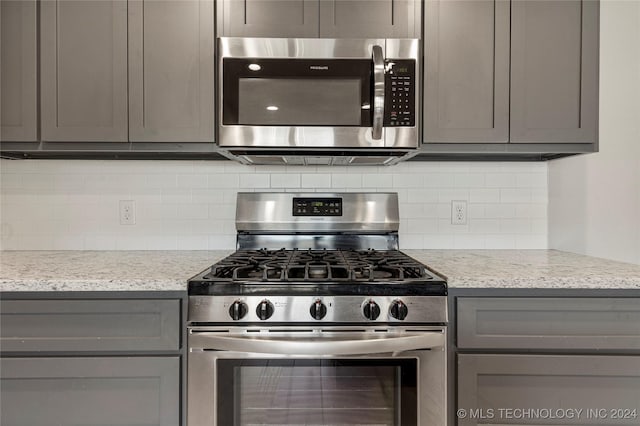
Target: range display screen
(317, 206)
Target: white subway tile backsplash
(531, 180)
(346, 181)
(176, 196)
(192, 181)
(469, 180)
(316, 180)
(223, 180)
(500, 180)
(412, 180)
(522, 195)
(423, 195)
(515, 226)
(484, 195)
(255, 181)
(283, 180)
(377, 180)
(190, 205)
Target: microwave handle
(324, 346)
(378, 91)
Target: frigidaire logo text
(319, 67)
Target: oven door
(312, 93)
(316, 377)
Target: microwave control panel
(400, 102)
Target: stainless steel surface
(312, 48)
(317, 242)
(272, 308)
(340, 309)
(425, 344)
(378, 91)
(316, 158)
(275, 138)
(323, 344)
(373, 212)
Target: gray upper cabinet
(554, 71)
(18, 49)
(466, 83)
(268, 18)
(369, 19)
(501, 71)
(99, 391)
(171, 69)
(83, 70)
(319, 18)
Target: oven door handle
(378, 91)
(320, 346)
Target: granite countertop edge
(96, 271)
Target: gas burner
(318, 265)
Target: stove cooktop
(331, 272)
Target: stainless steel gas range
(317, 319)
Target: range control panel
(317, 206)
(399, 108)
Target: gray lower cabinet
(548, 389)
(83, 70)
(90, 391)
(18, 72)
(95, 359)
(268, 18)
(83, 325)
(549, 323)
(466, 78)
(547, 360)
(554, 71)
(171, 69)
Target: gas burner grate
(318, 265)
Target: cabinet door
(554, 71)
(18, 110)
(370, 19)
(90, 391)
(489, 384)
(171, 71)
(84, 70)
(269, 18)
(466, 90)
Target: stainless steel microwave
(333, 101)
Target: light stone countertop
(102, 270)
(546, 269)
(170, 270)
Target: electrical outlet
(127, 212)
(458, 212)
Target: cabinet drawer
(89, 325)
(549, 323)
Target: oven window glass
(299, 102)
(317, 392)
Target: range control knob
(371, 310)
(238, 310)
(264, 310)
(399, 310)
(318, 310)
